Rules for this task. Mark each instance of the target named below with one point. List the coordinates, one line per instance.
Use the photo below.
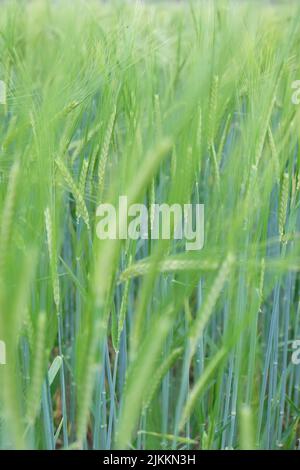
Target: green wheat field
(141, 344)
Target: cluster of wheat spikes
(140, 344)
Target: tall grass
(141, 344)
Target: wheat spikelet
(216, 165)
(33, 402)
(28, 328)
(198, 388)
(206, 310)
(8, 214)
(92, 163)
(78, 145)
(293, 190)
(69, 107)
(298, 183)
(82, 180)
(80, 203)
(249, 191)
(104, 152)
(223, 138)
(274, 153)
(53, 258)
(284, 196)
(161, 372)
(143, 267)
(261, 141)
(123, 309)
(212, 111)
(262, 279)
